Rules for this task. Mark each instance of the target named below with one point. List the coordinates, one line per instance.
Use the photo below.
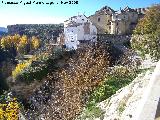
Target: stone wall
(115, 39)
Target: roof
(106, 10)
(128, 9)
(74, 17)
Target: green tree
(146, 38)
(151, 21)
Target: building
(120, 22)
(78, 30)
(102, 20)
(124, 21)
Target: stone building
(78, 30)
(120, 22)
(124, 21)
(102, 19)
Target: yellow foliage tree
(9, 110)
(19, 68)
(16, 39)
(4, 42)
(35, 43)
(21, 48)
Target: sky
(57, 13)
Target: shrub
(19, 69)
(9, 108)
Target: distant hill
(3, 31)
(45, 32)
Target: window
(83, 19)
(99, 19)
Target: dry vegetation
(70, 87)
(82, 76)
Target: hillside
(114, 78)
(45, 32)
(3, 29)
(127, 102)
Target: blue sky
(57, 13)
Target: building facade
(102, 19)
(78, 29)
(124, 21)
(119, 22)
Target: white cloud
(10, 20)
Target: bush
(9, 108)
(19, 69)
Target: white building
(77, 30)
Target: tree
(151, 21)
(146, 38)
(35, 43)
(22, 46)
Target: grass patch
(91, 113)
(121, 107)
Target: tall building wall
(116, 22)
